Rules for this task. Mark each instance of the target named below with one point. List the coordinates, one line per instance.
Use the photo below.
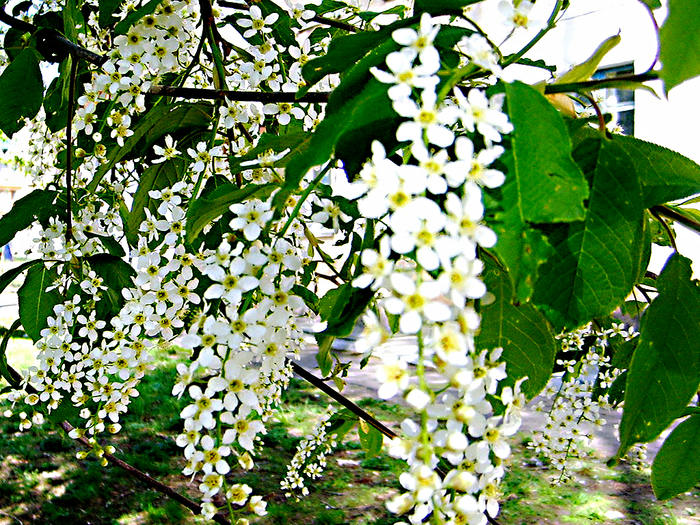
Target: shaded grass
(41, 481)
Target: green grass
(41, 481)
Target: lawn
(41, 481)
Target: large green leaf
(676, 466)
(38, 205)
(295, 142)
(370, 110)
(22, 91)
(665, 369)
(208, 207)
(160, 121)
(442, 7)
(596, 261)
(664, 174)
(11, 274)
(35, 303)
(9, 374)
(679, 39)
(522, 331)
(343, 53)
(156, 177)
(543, 185)
(551, 186)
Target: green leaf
(72, 18)
(38, 205)
(676, 466)
(664, 174)
(341, 423)
(522, 331)
(12, 44)
(441, 7)
(596, 261)
(551, 186)
(343, 53)
(107, 9)
(652, 4)
(370, 111)
(208, 207)
(679, 39)
(10, 275)
(665, 369)
(543, 185)
(115, 272)
(35, 303)
(585, 70)
(22, 91)
(371, 439)
(156, 177)
(296, 142)
(160, 121)
(12, 378)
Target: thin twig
(666, 227)
(672, 214)
(152, 482)
(239, 96)
(599, 113)
(323, 387)
(592, 85)
(69, 147)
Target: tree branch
(320, 19)
(239, 96)
(672, 214)
(151, 482)
(591, 85)
(53, 38)
(323, 387)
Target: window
(618, 102)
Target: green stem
(665, 225)
(69, 146)
(303, 198)
(550, 24)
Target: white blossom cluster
(310, 458)
(426, 267)
(573, 411)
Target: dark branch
(591, 85)
(53, 38)
(151, 482)
(672, 214)
(320, 19)
(240, 96)
(318, 383)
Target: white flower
(415, 302)
(484, 116)
(393, 376)
(257, 23)
(168, 152)
(419, 42)
(518, 16)
(405, 76)
(428, 120)
(252, 217)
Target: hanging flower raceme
(428, 270)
